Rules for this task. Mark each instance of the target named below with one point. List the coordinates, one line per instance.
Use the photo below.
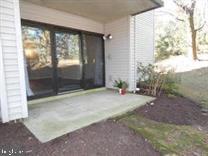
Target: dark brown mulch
(174, 110)
(103, 139)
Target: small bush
(152, 81)
(170, 86)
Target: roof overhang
(101, 10)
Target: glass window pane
(68, 61)
(93, 61)
(37, 50)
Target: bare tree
(189, 10)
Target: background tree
(189, 8)
(170, 40)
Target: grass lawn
(169, 139)
(194, 85)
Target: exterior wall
(133, 42)
(12, 80)
(13, 102)
(117, 51)
(142, 42)
(51, 16)
(132, 64)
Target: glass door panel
(59, 60)
(38, 62)
(93, 61)
(69, 66)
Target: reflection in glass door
(93, 61)
(38, 62)
(68, 55)
(59, 59)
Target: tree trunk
(193, 37)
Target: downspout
(134, 51)
(153, 37)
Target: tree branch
(201, 27)
(186, 8)
(171, 14)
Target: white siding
(51, 16)
(12, 89)
(132, 64)
(117, 51)
(133, 42)
(142, 42)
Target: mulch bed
(107, 138)
(174, 110)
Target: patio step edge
(62, 96)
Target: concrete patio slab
(51, 119)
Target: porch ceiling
(100, 10)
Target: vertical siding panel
(141, 43)
(24, 108)
(132, 64)
(3, 94)
(117, 51)
(12, 62)
(133, 42)
(143, 39)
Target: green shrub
(153, 81)
(170, 86)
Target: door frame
(103, 55)
(49, 28)
(54, 28)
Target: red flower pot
(122, 91)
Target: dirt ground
(107, 138)
(102, 139)
(175, 110)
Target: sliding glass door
(38, 60)
(68, 56)
(93, 61)
(60, 60)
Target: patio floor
(51, 118)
